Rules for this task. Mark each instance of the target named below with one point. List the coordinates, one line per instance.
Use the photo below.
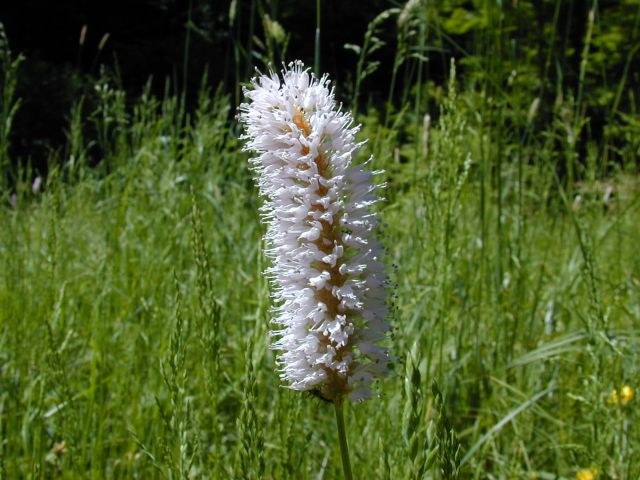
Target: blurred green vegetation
(134, 312)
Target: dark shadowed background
(172, 43)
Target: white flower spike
(329, 282)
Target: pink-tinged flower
(329, 282)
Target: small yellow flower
(587, 474)
(622, 397)
(626, 394)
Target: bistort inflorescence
(328, 278)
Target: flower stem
(316, 63)
(342, 437)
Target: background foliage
(133, 309)
(553, 50)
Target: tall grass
(133, 310)
(9, 103)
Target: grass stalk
(316, 62)
(185, 55)
(9, 101)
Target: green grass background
(134, 313)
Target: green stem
(342, 437)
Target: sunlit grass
(134, 311)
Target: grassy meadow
(134, 314)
